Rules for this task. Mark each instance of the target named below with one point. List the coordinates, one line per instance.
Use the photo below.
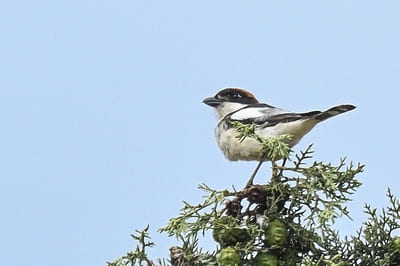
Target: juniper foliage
(285, 221)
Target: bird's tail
(336, 110)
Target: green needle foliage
(139, 255)
(275, 148)
(285, 221)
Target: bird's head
(229, 100)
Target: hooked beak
(211, 101)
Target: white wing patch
(252, 113)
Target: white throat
(228, 107)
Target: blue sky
(103, 129)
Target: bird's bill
(211, 101)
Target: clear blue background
(103, 129)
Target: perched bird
(234, 104)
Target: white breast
(250, 149)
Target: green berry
(276, 233)
(227, 233)
(396, 244)
(265, 259)
(228, 257)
